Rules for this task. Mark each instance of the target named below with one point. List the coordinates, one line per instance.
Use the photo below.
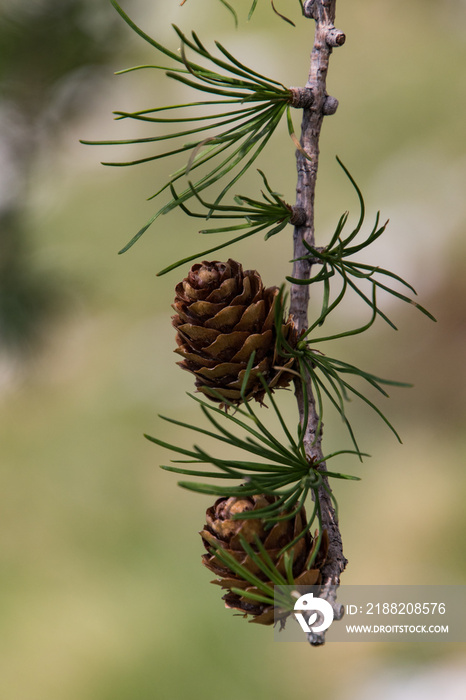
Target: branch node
(330, 105)
(298, 216)
(301, 97)
(335, 37)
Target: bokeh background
(102, 593)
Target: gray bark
(320, 104)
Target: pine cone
(222, 531)
(223, 315)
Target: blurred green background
(102, 593)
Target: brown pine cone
(223, 315)
(222, 531)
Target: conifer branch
(225, 316)
(326, 38)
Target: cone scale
(223, 315)
(224, 531)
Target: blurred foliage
(44, 42)
(26, 295)
(49, 56)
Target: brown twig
(326, 38)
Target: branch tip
(308, 9)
